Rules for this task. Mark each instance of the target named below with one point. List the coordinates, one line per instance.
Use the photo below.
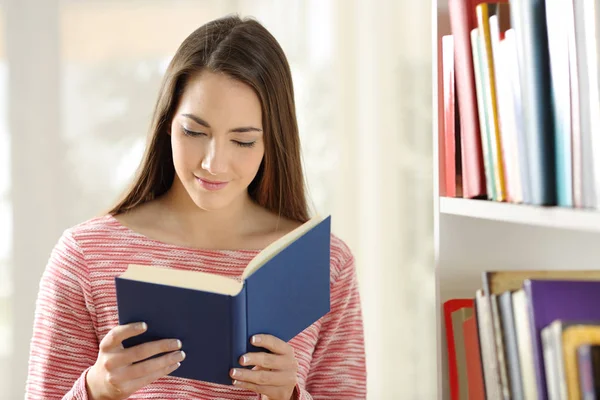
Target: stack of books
(519, 102)
(526, 335)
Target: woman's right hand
(114, 376)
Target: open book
(283, 290)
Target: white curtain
(77, 84)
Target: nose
(215, 158)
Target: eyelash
(196, 134)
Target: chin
(210, 205)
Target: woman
(222, 171)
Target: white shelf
(553, 217)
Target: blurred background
(78, 80)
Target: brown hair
(247, 52)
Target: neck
(197, 222)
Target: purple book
(550, 300)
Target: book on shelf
(456, 312)
(530, 327)
(528, 89)
(588, 364)
(475, 386)
(282, 291)
(462, 21)
(452, 168)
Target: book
(441, 121)
(458, 318)
(488, 76)
(498, 282)
(520, 146)
(282, 291)
(528, 18)
(499, 24)
(456, 311)
(574, 337)
(524, 344)
(586, 135)
(560, 299)
(487, 340)
(558, 47)
(462, 21)
(554, 359)
(591, 17)
(480, 88)
(500, 348)
(510, 342)
(450, 142)
(476, 389)
(588, 363)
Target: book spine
(462, 20)
(239, 327)
(586, 374)
(528, 17)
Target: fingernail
(235, 382)
(235, 372)
(143, 326)
(256, 339)
(178, 344)
(244, 360)
(182, 355)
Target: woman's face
(217, 139)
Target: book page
(277, 246)
(184, 279)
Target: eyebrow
(202, 122)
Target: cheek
(185, 154)
(249, 163)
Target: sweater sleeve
(338, 368)
(64, 343)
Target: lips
(210, 182)
(210, 185)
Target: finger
(263, 377)
(272, 343)
(149, 367)
(268, 361)
(271, 392)
(136, 384)
(116, 335)
(149, 349)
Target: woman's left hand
(274, 375)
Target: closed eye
(187, 132)
(244, 144)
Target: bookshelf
(472, 236)
(549, 217)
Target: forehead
(219, 98)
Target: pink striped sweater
(76, 307)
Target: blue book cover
(528, 18)
(283, 290)
(551, 300)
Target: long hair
(247, 52)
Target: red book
(462, 21)
(441, 127)
(450, 306)
(449, 114)
(473, 354)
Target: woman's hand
(114, 376)
(274, 375)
